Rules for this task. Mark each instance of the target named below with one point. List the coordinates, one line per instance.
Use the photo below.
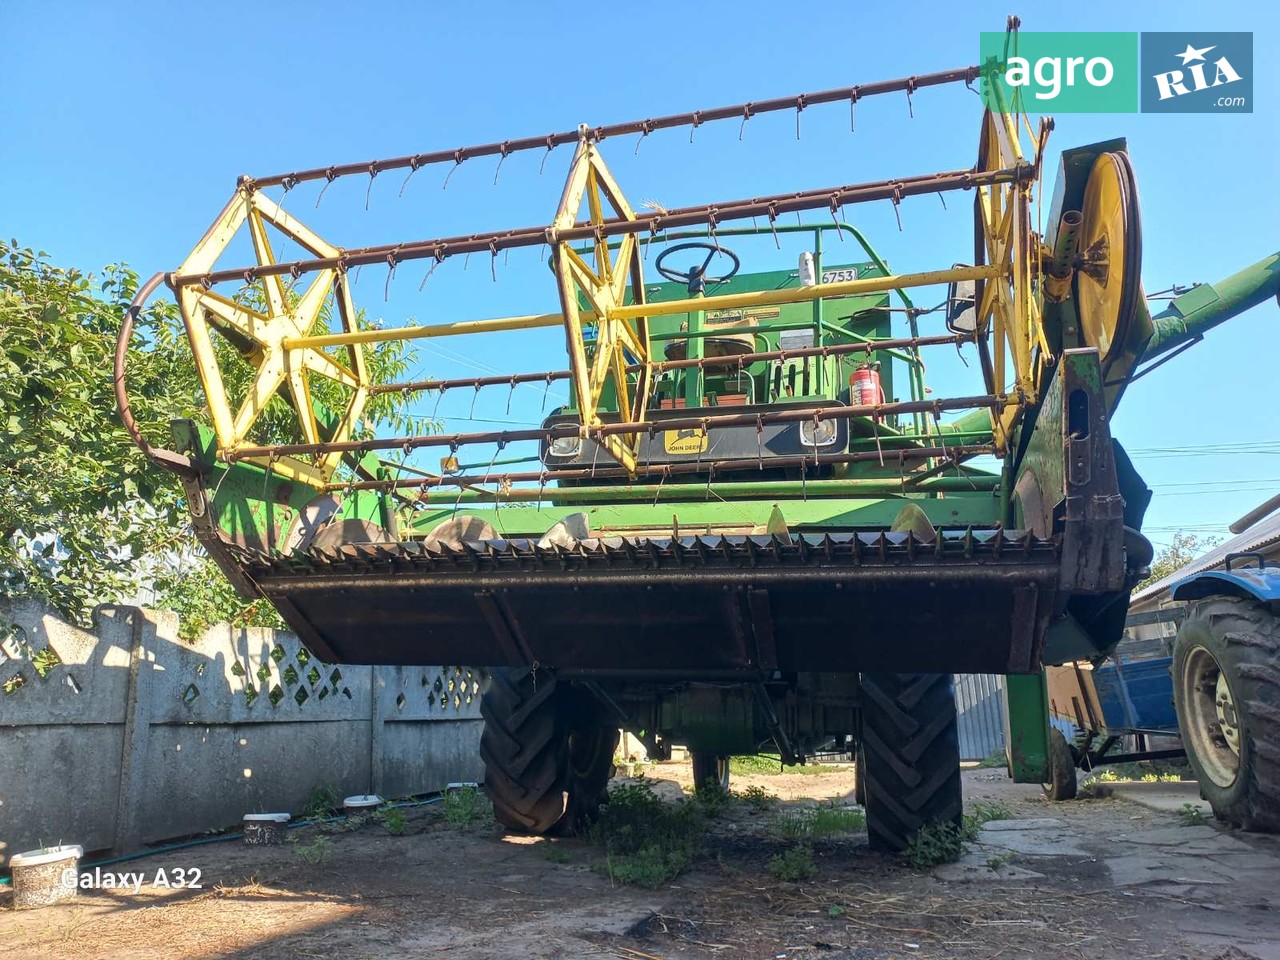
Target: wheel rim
(1211, 722)
(1228, 719)
(584, 751)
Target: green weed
(794, 864)
(1191, 815)
(758, 798)
(392, 820)
(321, 803)
(712, 797)
(940, 843)
(467, 807)
(646, 841)
(983, 812)
(347, 824)
(935, 844)
(313, 852)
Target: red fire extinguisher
(864, 385)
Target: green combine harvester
(752, 528)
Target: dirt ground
(1103, 878)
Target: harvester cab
(751, 526)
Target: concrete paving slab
(976, 867)
(1041, 837)
(1166, 797)
(1031, 823)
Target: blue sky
(125, 125)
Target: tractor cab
(749, 359)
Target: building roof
(1263, 534)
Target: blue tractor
(1226, 687)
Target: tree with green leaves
(1182, 549)
(84, 517)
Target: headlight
(565, 447)
(820, 434)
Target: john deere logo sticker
(1197, 73)
(685, 442)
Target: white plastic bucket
(264, 829)
(46, 876)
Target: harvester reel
(1109, 264)
(603, 284)
(273, 339)
(1006, 306)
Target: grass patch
(759, 765)
(756, 766)
(812, 823)
(647, 842)
(794, 864)
(757, 798)
(983, 812)
(556, 853)
(467, 807)
(995, 761)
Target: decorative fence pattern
(124, 735)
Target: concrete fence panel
(124, 734)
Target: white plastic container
(46, 876)
(264, 829)
(361, 802)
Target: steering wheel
(696, 277)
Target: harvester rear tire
(547, 757)
(912, 756)
(592, 745)
(860, 776)
(709, 768)
(1229, 647)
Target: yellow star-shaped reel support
(618, 342)
(272, 340)
(1008, 303)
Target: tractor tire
(912, 755)
(709, 768)
(1226, 687)
(547, 758)
(1062, 784)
